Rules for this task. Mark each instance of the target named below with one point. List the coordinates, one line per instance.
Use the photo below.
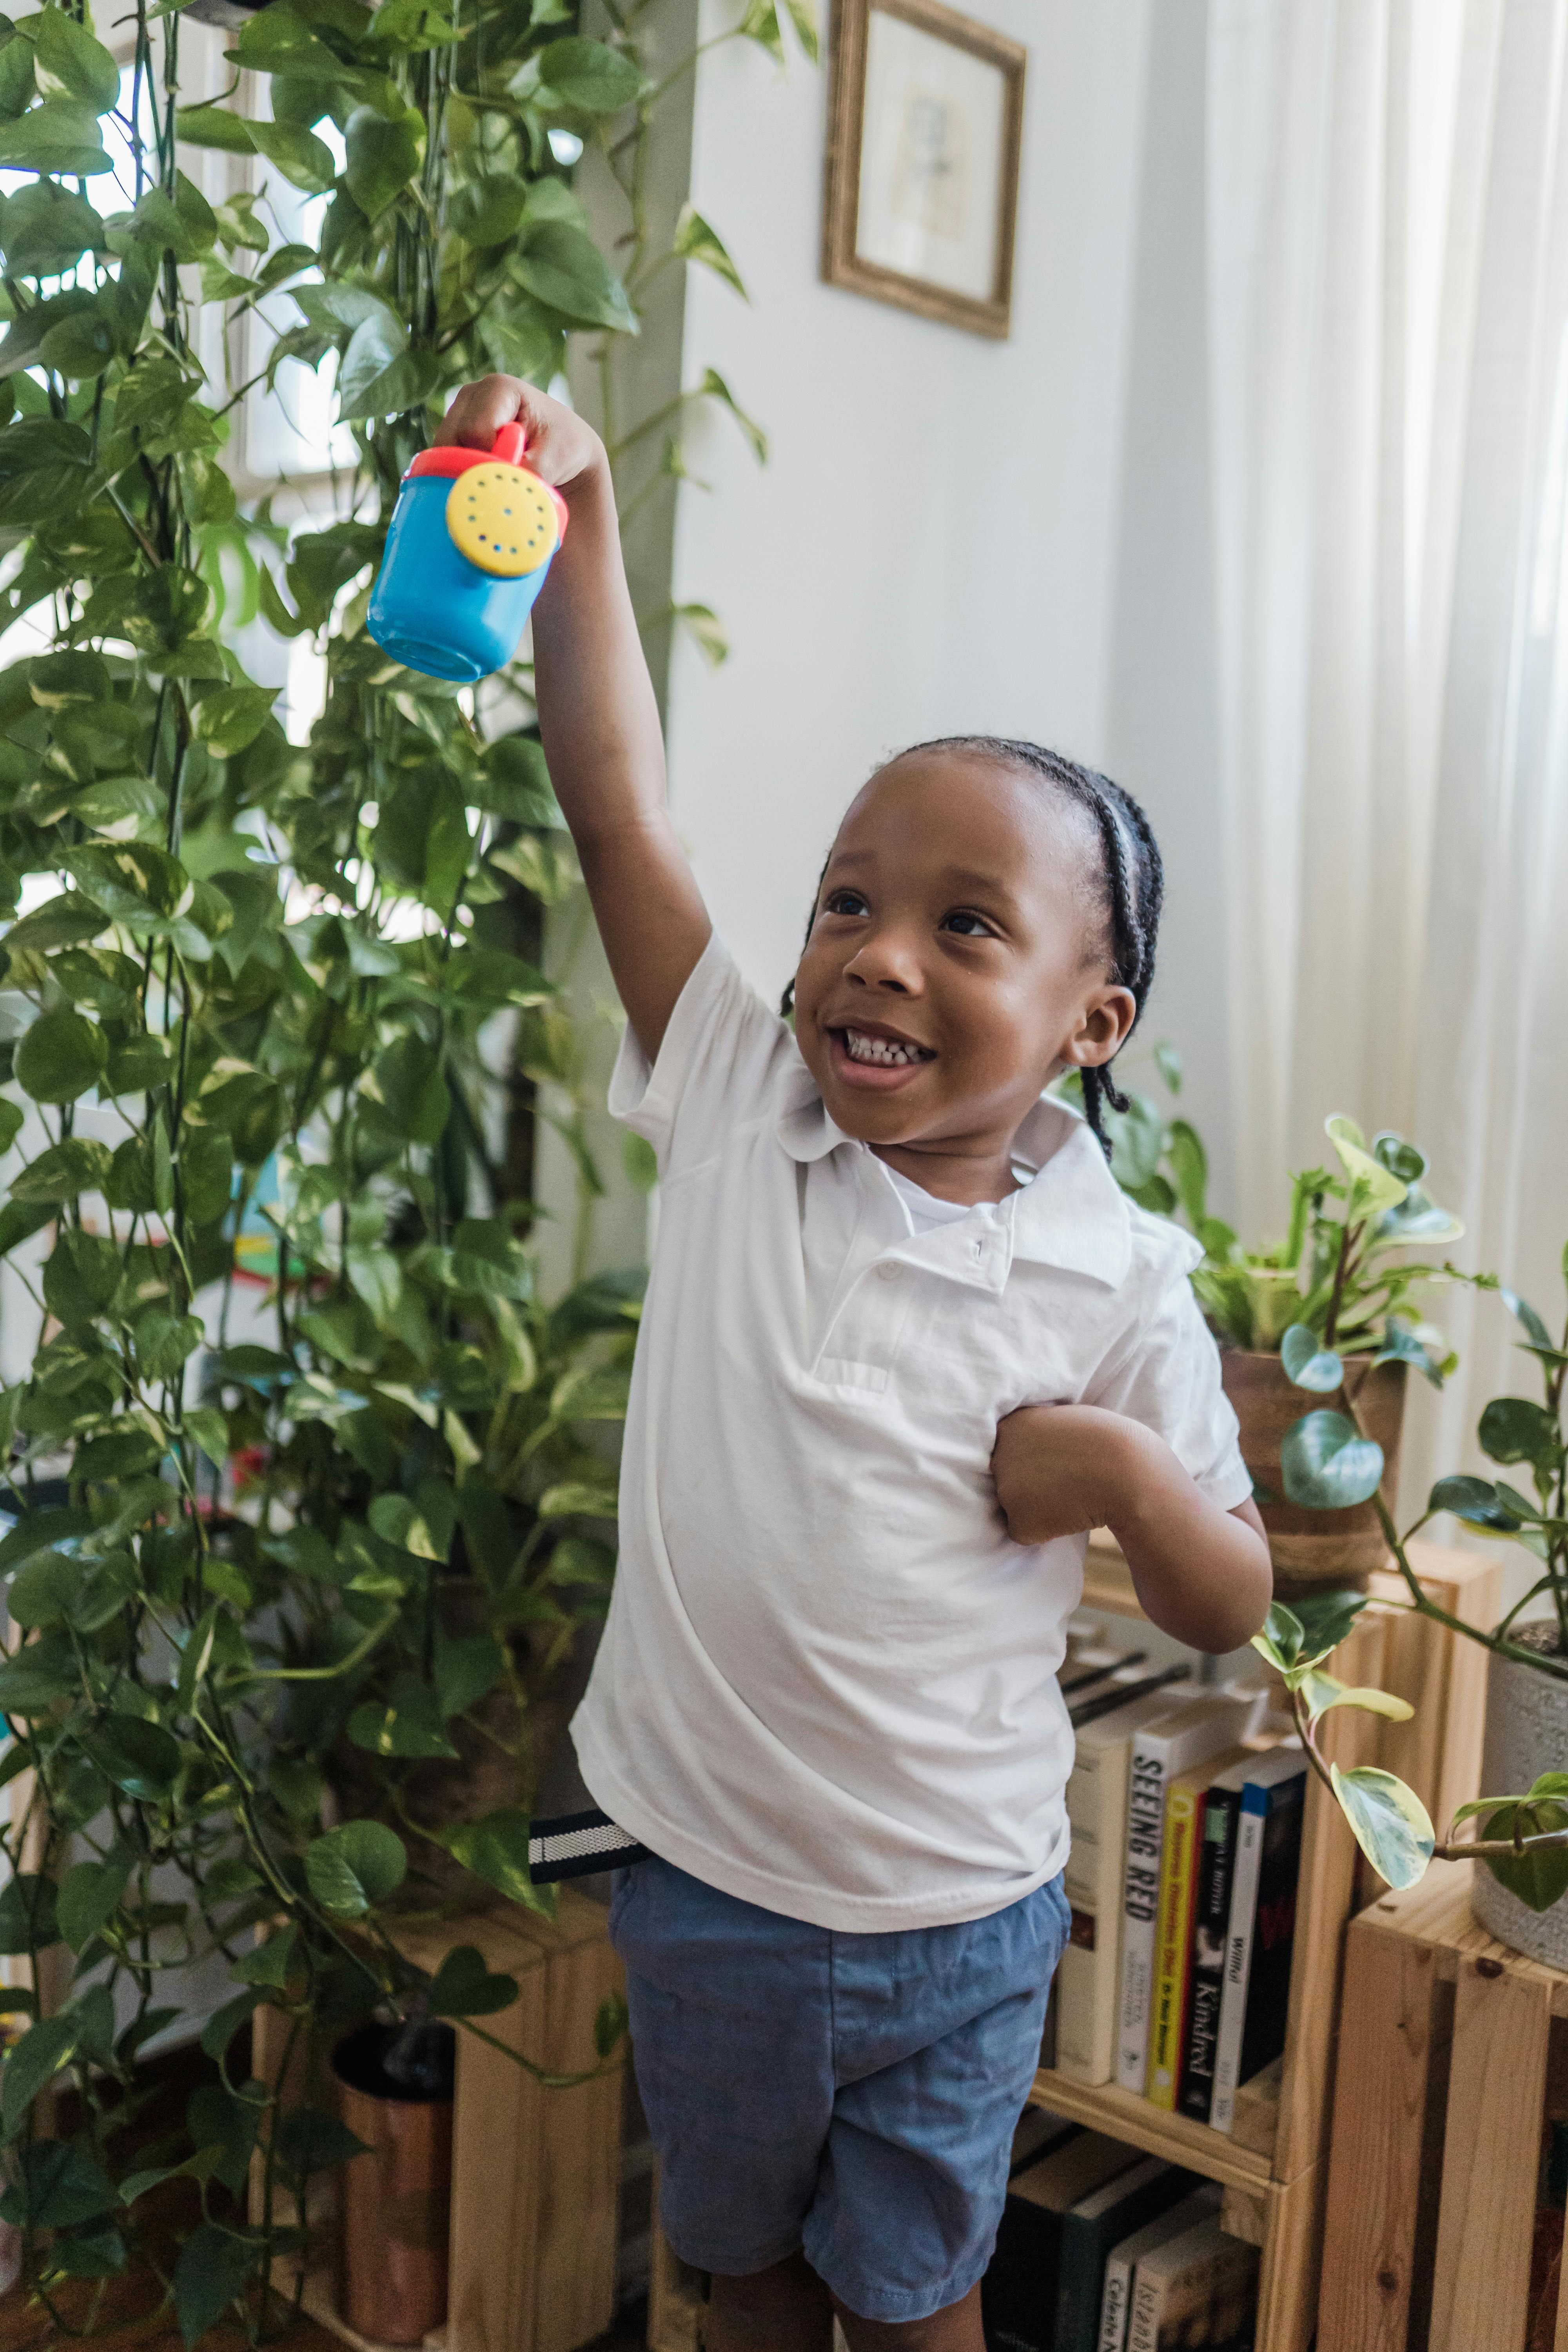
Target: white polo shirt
(827, 1682)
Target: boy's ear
(1102, 1028)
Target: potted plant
(1322, 1315)
(265, 990)
(1328, 1307)
(1521, 1832)
(444, 1730)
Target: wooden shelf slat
(1107, 1578)
(1125, 2117)
(1437, 1914)
(1460, 1577)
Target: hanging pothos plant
(279, 1009)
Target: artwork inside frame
(926, 126)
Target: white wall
(1161, 719)
(943, 538)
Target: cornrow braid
(1131, 876)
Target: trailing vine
(312, 1492)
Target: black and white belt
(573, 1844)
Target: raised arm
(596, 710)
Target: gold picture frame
(921, 197)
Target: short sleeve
(1167, 1376)
(719, 1064)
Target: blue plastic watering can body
(432, 608)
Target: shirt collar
(1072, 1214)
(804, 1127)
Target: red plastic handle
(510, 445)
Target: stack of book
(1101, 2250)
(1100, 1682)
(1186, 1842)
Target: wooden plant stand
(1445, 2053)
(535, 2172)
(675, 2294)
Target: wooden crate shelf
(674, 2297)
(1441, 2097)
(535, 2172)
(1273, 2167)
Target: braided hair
(1131, 882)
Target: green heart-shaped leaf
(1327, 1464)
(1539, 1877)
(464, 1986)
(1309, 1363)
(1389, 1823)
(355, 1866)
(496, 1850)
(140, 1757)
(407, 1724)
(1374, 1188)
(1513, 1429)
(60, 1055)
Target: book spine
(1139, 1909)
(1143, 2320)
(1083, 1819)
(1113, 2305)
(1018, 2296)
(1074, 1990)
(1173, 1946)
(1088, 1977)
(1237, 1958)
(1211, 1917)
(1273, 1930)
(1078, 2287)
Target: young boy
(904, 1342)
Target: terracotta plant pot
(1314, 1550)
(394, 2205)
(1527, 1734)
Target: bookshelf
(1273, 2167)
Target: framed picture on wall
(926, 123)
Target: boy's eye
(968, 924)
(844, 902)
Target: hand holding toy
(468, 551)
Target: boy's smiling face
(957, 963)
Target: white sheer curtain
(1388, 283)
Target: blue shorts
(855, 2096)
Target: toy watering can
(470, 541)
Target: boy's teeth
(862, 1048)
